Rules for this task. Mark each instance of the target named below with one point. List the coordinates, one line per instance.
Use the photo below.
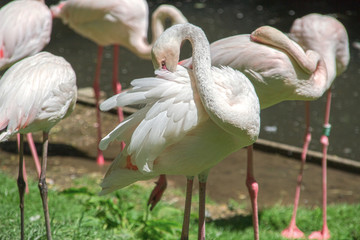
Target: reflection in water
(283, 122)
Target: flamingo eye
(163, 65)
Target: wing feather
(170, 112)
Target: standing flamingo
(191, 120)
(35, 94)
(280, 70)
(115, 22)
(327, 36)
(25, 30)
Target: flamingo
(191, 120)
(35, 94)
(115, 22)
(280, 70)
(327, 36)
(25, 30)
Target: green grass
(78, 213)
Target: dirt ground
(72, 152)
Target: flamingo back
(35, 94)
(106, 22)
(25, 30)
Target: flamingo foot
(292, 232)
(324, 234)
(157, 192)
(100, 159)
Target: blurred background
(282, 123)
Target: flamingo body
(115, 22)
(25, 29)
(35, 94)
(173, 133)
(327, 36)
(95, 20)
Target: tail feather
(118, 176)
(4, 136)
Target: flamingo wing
(171, 110)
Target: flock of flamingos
(196, 111)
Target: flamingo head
(166, 50)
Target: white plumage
(35, 94)
(25, 29)
(173, 131)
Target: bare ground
(72, 152)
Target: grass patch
(78, 213)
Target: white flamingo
(119, 23)
(280, 70)
(25, 30)
(191, 120)
(35, 94)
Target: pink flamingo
(327, 36)
(115, 22)
(264, 58)
(191, 120)
(43, 89)
(25, 30)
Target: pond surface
(282, 123)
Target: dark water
(283, 122)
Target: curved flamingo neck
(310, 62)
(275, 38)
(224, 112)
(159, 19)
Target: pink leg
(100, 157)
(34, 152)
(202, 196)
(116, 85)
(187, 210)
(23, 168)
(21, 182)
(253, 189)
(158, 191)
(292, 231)
(324, 233)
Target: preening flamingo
(280, 70)
(25, 30)
(329, 38)
(115, 22)
(35, 94)
(192, 119)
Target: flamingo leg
(115, 81)
(158, 191)
(100, 157)
(43, 186)
(21, 183)
(324, 233)
(253, 189)
(34, 152)
(23, 174)
(187, 210)
(116, 85)
(202, 196)
(292, 231)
